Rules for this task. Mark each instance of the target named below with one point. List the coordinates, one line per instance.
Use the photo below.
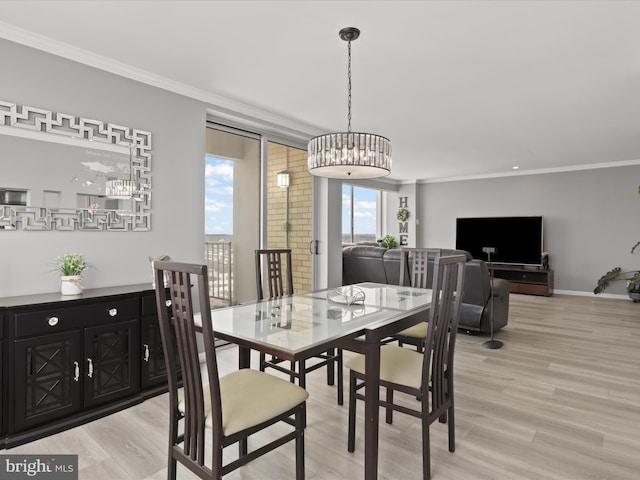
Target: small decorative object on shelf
(545, 261)
(160, 258)
(403, 215)
(71, 266)
(346, 295)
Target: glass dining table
(300, 326)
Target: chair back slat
(183, 278)
(448, 280)
(277, 268)
(416, 265)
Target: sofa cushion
(363, 264)
(391, 262)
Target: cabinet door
(47, 379)
(154, 370)
(3, 390)
(112, 362)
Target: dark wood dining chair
(426, 375)
(277, 266)
(234, 406)
(416, 270)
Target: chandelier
(349, 154)
(122, 189)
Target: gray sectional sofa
(375, 264)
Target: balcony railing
(219, 259)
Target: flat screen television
(518, 240)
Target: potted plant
(388, 241)
(631, 276)
(70, 266)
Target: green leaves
(606, 279)
(633, 285)
(402, 215)
(71, 264)
(388, 241)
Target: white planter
(71, 284)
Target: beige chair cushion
(397, 365)
(250, 397)
(417, 331)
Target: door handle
(146, 352)
(76, 371)
(90, 372)
(313, 247)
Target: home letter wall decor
(403, 225)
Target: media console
(527, 280)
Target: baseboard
(590, 294)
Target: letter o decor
(403, 215)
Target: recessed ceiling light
(515, 167)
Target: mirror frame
(56, 127)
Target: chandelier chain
(349, 87)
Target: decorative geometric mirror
(58, 172)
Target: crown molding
(219, 105)
(541, 171)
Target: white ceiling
(462, 89)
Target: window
(218, 227)
(218, 208)
(361, 214)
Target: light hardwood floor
(560, 400)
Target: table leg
(371, 409)
(244, 361)
(244, 357)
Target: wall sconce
(283, 179)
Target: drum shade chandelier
(349, 154)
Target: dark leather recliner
(379, 265)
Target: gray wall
(178, 143)
(590, 217)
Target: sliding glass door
(232, 213)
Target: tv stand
(530, 280)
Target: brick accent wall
(300, 210)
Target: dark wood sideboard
(67, 360)
(527, 280)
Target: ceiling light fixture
(349, 154)
(122, 189)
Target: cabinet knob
(168, 303)
(113, 312)
(53, 321)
